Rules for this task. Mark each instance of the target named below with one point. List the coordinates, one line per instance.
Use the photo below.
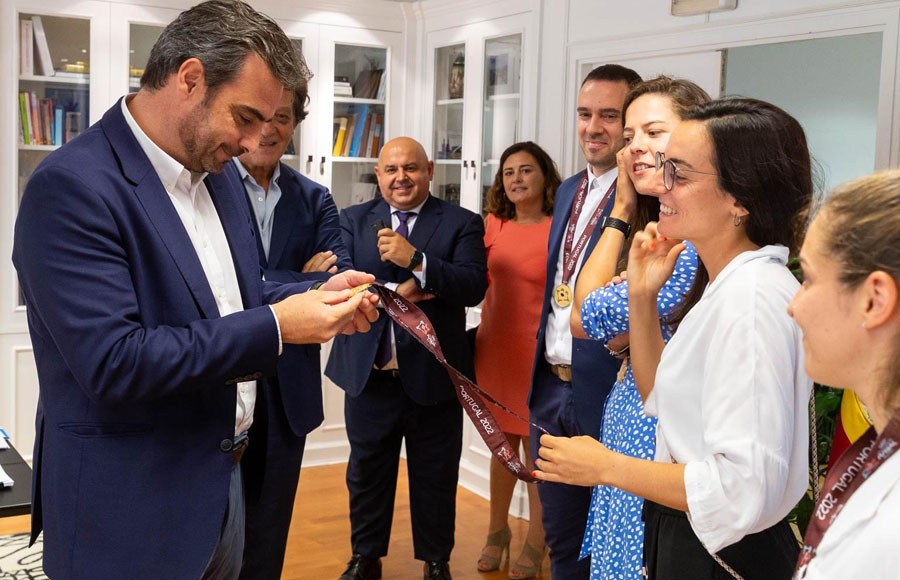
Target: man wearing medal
(572, 377)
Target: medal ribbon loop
(411, 318)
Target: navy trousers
(565, 507)
(271, 469)
(378, 420)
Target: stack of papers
(5, 480)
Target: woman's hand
(574, 460)
(625, 203)
(651, 260)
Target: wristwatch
(615, 223)
(416, 259)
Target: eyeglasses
(660, 159)
(671, 171)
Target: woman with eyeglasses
(849, 310)
(729, 388)
(614, 535)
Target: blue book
(358, 130)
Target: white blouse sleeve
(748, 410)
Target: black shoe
(363, 568)
(437, 571)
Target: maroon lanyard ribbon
(570, 254)
(415, 322)
(852, 469)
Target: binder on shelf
(341, 135)
(358, 130)
(26, 47)
(43, 64)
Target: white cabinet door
(134, 30)
(359, 75)
(476, 78)
(301, 152)
(64, 82)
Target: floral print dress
(614, 535)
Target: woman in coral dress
(517, 228)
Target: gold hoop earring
(738, 220)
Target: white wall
(577, 32)
(830, 85)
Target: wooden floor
(319, 541)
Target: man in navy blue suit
(572, 377)
(151, 325)
(433, 253)
(298, 238)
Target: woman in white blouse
(729, 389)
(849, 310)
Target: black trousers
(378, 420)
(271, 469)
(673, 552)
(565, 507)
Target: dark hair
(497, 201)
(762, 160)
(684, 95)
(613, 73)
(301, 91)
(861, 221)
(221, 33)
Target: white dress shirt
(732, 399)
(862, 541)
(558, 340)
(195, 207)
(420, 275)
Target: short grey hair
(221, 34)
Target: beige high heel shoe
(519, 572)
(500, 539)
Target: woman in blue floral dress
(614, 535)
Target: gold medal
(562, 294)
(358, 289)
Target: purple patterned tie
(383, 355)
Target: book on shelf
(366, 85)
(26, 47)
(341, 79)
(375, 136)
(348, 138)
(343, 91)
(52, 120)
(25, 114)
(73, 75)
(379, 94)
(341, 123)
(42, 61)
(358, 129)
(74, 125)
(362, 150)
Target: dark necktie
(383, 355)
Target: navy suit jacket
(305, 222)
(137, 369)
(593, 368)
(452, 239)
